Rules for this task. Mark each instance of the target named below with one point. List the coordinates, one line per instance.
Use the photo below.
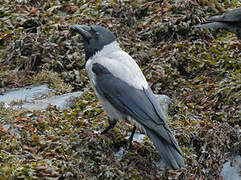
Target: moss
(53, 80)
(198, 69)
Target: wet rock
(37, 98)
(164, 102)
(25, 94)
(232, 169)
(61, 102)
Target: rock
(232, 169)
(37, 98)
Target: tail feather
(170, 153)
(212, 25)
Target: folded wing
(142, 106)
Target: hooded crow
(230, 21)
(124, 92)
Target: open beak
(83, 30)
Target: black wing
(140, 104)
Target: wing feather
(140, 104)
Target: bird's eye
(95, 32)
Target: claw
(129, 141)
(112, 124)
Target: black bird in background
(124, 92)
(230, 21)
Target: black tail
(212, 25)
(170, 153)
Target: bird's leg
(112, 123)
(129, 141)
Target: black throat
(91, 48)
(100, 37)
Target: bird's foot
(106, 130)
(130, 139)
(112, 124)
(128, 144)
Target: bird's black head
(95, 38)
